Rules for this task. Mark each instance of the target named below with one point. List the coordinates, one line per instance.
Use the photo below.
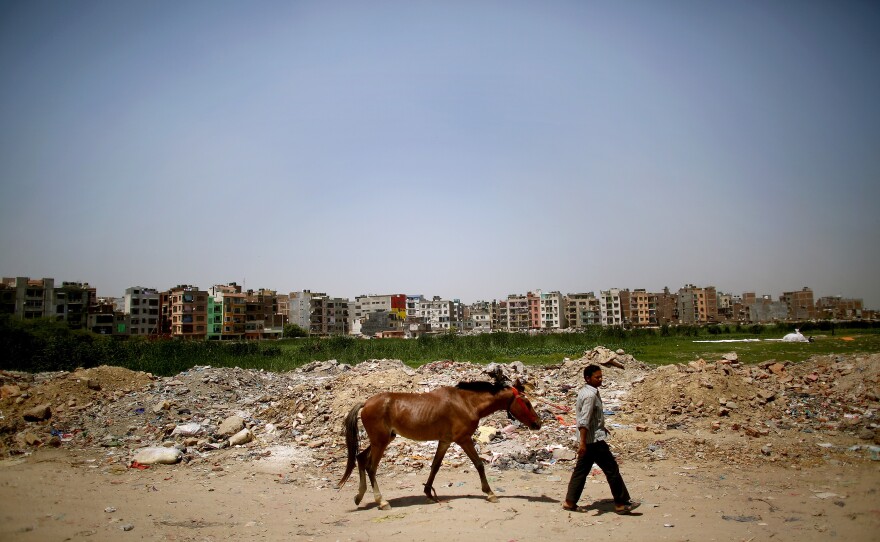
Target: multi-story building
(610, 311)
(697, 305)
(437, 314)
(262, 319)
(142, 307)
(725, 307)
(188, 309)
(479, 315)
(551, 313)
(27, 298)
(639, 307)
(667, 307)
(840, 308)
(515, 313)
(320, 314)
(283, 303)
(413, 307)
(102, 317)
(582, 310)
(393, 304)
(227, 312)
(800, 304)
(764, 309)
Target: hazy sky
(463, 149)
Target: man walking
(592, 447)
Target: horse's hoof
(357, 499)
(384, 506)
(492, 498)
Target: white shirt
(590, 414)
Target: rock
(230, 426)
(485, 434)
(30, 439)
(564, 454)
(157, 454)
(731, 356)
(9, 390)
(93, 384)
(755, 432)
(161, 405)
(242, 437)
(38, 413)
(777, 368)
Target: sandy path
(64, 495)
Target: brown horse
(447, 415)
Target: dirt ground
(58, 495)
(713, 450)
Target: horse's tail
(351, 441)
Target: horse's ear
(518, 384)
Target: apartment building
(413, 307)
(101, 318)
(262, 320)
(188, 311)
(440, 314)
(697, 305)
(551, 310)
(320, 314)
(639, 307)
(610, 310)
(28, 298)
(800, 304)
(840, 308)
(725, 307)
(227, 312)
(480, 316)
(582, 310)
(283, 303)
(142, 307)
(764, 309)
(393, 304)
(515, 313)
(330, 316)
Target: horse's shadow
(421, 500)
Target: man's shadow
(605, 506)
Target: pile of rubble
(821, 409)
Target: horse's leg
(435, 466)
(468, 446)
(362, 459)
(373, 464)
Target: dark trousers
(600, 454)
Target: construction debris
(798, 413)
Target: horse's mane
(491, 387)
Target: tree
(293, 330)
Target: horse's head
(521, 408)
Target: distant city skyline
(100, 292)
(467, 150)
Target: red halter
(518, 397)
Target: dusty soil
(713, 451)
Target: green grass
(668, 350)
(48, 346)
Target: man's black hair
(590, 369)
